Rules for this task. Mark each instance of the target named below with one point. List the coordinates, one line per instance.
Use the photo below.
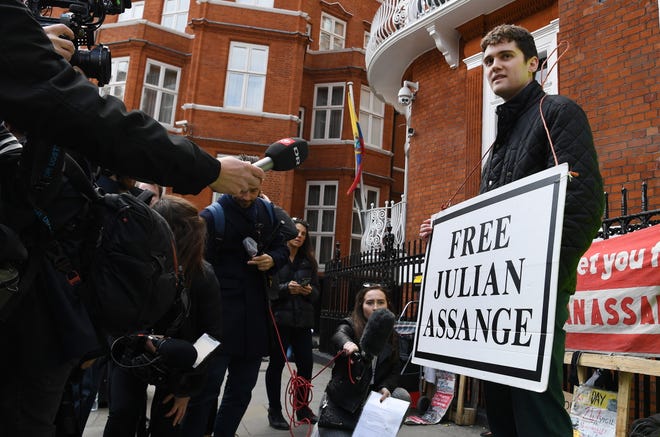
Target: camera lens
(95, 63)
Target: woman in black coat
(297, 292)
(354, 375)
(127, 390)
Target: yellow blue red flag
(358, 145)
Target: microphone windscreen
(377, 331)
(401, 393)
(176, 353)
(287, 153)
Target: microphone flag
(358, 145)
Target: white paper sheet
(381, 418)
(204, 346)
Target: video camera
(130, 352)
(152, 365)
(84, 17)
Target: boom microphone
(402, 394)
(285, 154)
(377, 331)
(176, 353)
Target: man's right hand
(425, 230)
(236, 176)
(62, 39)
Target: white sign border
(537, 379)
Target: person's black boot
(276, 420)
(306, 413)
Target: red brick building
(235, 76)
(610, 69)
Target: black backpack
(126, 266)
(131, 278)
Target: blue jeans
(242, 377)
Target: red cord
(571, 174)
(297, 385)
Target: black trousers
(242, 373)
(514, 412)
(128, 403)
(32, 376)
(300, 340)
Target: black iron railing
(626, 223)
(396, 266)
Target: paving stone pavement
(255, 422)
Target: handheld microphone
(176, 353)
(377, 331)
(285, 154)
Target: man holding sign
(536, 132)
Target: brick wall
(611, 70)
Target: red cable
(545, 124)
(297, 384)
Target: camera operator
(42, 95)
(179, 381)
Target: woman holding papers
(356, 372)
(127, 389)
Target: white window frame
(177, 17)
(116, 87)
(160, 91)
(301, 122)
(372, 117)
(316, 234)
(546, 42)
(372, 196)
(328, 110)
(330, 39)
(135, 12)
(260, 3)
(251, 96)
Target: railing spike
(644, 197)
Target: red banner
(616, 307)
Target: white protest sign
(487, 306)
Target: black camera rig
(130, 353)
(84, 17)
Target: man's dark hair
(510, 32)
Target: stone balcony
(402, 30)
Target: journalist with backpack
(48, 328)
(248, 250)
(186, 321)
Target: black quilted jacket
(522, 149)
(351, 395)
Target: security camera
(181, 123)
(405, 96)
(407, 92)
